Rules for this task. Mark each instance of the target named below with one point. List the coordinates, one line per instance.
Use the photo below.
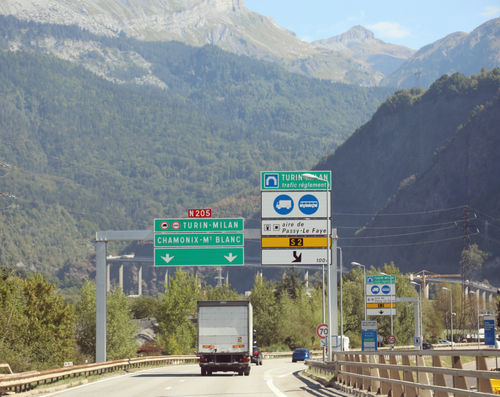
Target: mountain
(403, 178)
(87, 154)
(464, 172)
(354, 57)
(227, 24)
(360, 44)
(457, 52)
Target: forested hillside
(405, 177)
(86, 154)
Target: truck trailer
(225, 330)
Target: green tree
(176, 312)
(222, 292)
(433, 324)
(299, 317)
(353, 305)
(13, 320)
(37, 325)
(143, 306)
(442, 308)
(471, 261)
(120, 328)
(85, 329)
(50, 330)
(290, 284)
(265, 311)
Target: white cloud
(391, 30)
(490, 11)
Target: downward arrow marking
(230, 257)
(167, 258)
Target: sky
(413, 24)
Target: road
(275, 378)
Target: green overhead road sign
(198, 225)
(198, 239)
(199, 257)
(383, 279)
(294, 180)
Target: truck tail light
(244, 359)
(203, 360)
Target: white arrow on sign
(230, 257)
(167, 258)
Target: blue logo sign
(283, 204)
(308, 204)
(271, 180)
(386, 289)
(375, 289)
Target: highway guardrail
(406, 372)
(24, 381)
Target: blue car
(300, 354)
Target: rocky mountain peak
(357, 33)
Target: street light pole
(332, 275)
(341, 303)
(420, 329)
(477, 302)
(364, 282)
(451, 313)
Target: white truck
(225, 330)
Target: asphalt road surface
(275, 378)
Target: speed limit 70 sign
(322, 330)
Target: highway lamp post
(477, 308)
(341, 302)
(420, 328)
(451, 313)
(323, 301)
(364, 282)
(332, 275)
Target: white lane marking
(269, 381)
(98, 381)
(182, 380)
(88, 384)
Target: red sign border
(317, 330)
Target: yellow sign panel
(308, 242)
(380, 305)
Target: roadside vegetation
(40, 329)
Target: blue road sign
(308, 204)
(386, 289)
(283, 204)
(369, 340)
(489, 330)
(375, 289)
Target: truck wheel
(203, 372)
(240, 373)
(247, 371)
